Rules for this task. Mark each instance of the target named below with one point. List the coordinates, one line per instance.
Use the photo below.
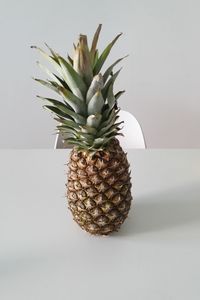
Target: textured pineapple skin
(99, 189)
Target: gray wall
(161, 76)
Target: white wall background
(161, 76)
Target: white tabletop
(44, 255)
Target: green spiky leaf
(96, 57)
(119, 94)
(94, 43)
(110, 82)
(105, 130)
(108, 72)
(62, 82)
(51, 86)
(73, 79)
(52, 60)
(95, 105)
(104, 55)
(72, 100)
(67, 123)
(96, 84)
(65, 112)
(111, 98)
(109, 117)
(53, 53)
(49, 73)
(70, 60)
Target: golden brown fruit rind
(99, 188)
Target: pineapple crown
(88, 111)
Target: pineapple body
(99, 188)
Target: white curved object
(133, 137)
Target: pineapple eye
(101, 153)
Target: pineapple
(99, 183)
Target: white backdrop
(161, 77)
